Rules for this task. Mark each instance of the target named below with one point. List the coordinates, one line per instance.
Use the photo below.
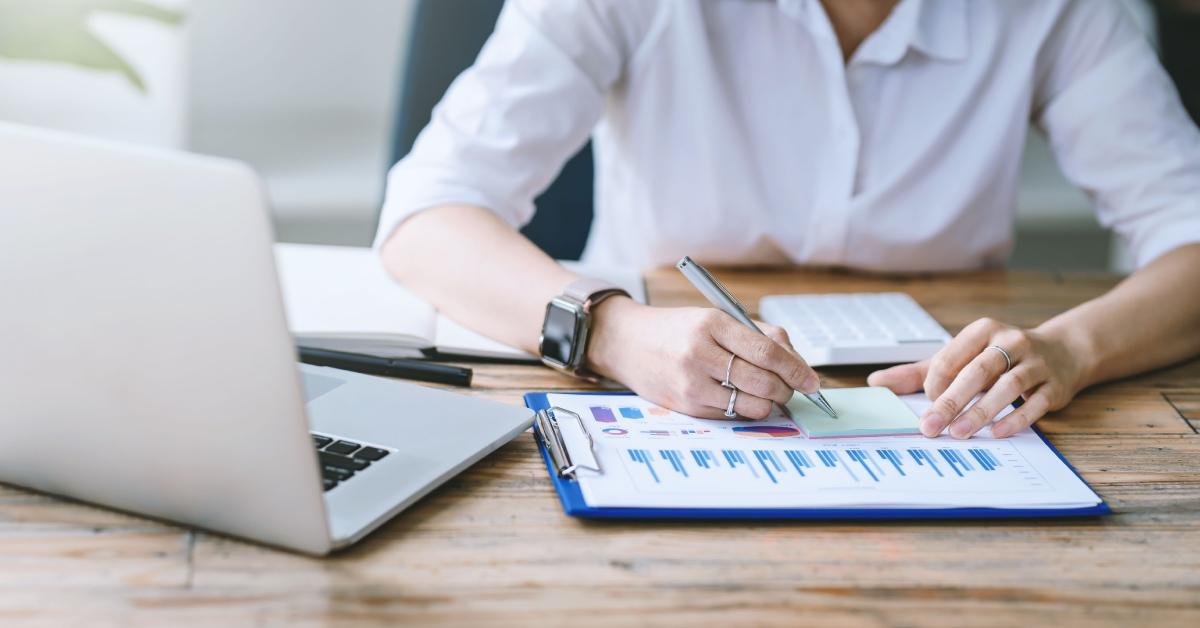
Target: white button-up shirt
(733, 130)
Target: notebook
(341, 298)
(615, 455)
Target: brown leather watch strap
(590, 291)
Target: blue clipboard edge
(574, 505)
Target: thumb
(901, 379)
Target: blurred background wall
(306, 91)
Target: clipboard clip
(551, 436)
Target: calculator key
(321, 441)
(329, 484)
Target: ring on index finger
(729, 411)
(1007, 358)
(729, 371)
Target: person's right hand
(676, 357)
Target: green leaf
(57, 31)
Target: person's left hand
(1046, 371)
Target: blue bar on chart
(631, 413)
(672, 456)
(956, 460)
(860, 456)
(770, 463)
(704, 459)
(984, 458)
(735, 457)
(827, 457)
(922, 456)
(643, 456)
(798, 459)
(602, 414)
(892, 456)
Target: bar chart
(952, 466)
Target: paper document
(655, 458)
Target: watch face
(558, 333)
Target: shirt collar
(942, 29)
(937, 28)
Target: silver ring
(1007, 359)
(732, 400)
(728, 371)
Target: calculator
(855, 328)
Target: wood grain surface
(493, 546)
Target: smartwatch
(563, 344)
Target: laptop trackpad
(317, 385)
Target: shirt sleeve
(507, 124)
(1118, 129)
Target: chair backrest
(446, 37)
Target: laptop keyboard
(342, 459)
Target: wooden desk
(493, 546)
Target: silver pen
(726, 302)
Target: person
(879, 135)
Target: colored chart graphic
(602, 414)
(949, 468)
(631, 413)
(657, 411)
(615, 431)
(766, 431)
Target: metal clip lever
(548, 430)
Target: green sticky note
(861, 412)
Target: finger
(765, 353)
(1010, 386)
(947, 363)
(759, 382)
(977, 375)
(778, 334)
(716, 399)
(1035, 407)
(747, 377)
(901, 379)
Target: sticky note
(870, 411)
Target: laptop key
(321, 441)
(371, 453)
(343, 447)
(341, 462)
(336, 473)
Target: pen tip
(823, 404)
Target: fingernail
(810, 384)
(999, 431)
(932, 424)
(961, 429)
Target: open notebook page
(341, 298)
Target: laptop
(147, 365)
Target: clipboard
(561, 466)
